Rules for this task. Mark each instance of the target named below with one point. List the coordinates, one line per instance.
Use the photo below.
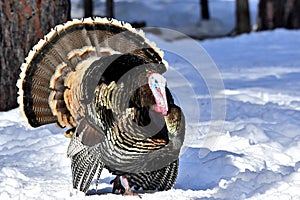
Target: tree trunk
(278, 14)
(204, 9)
(23, 23)
(243, 24)
(296, 15)
(110, 8)
(88, 8)
(265, 15)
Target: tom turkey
(103, 80)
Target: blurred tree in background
(243, 24)
(88, 8)
(204, 9)
(110, 9)
(23, 23)
(278, 14)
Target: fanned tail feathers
(50, 83)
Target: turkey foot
(117, 185)
(128, 191)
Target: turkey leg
(118, 186)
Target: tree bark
(88, 8)
(278, 14)
(23, 23)
(110, 8)
(296, 15)
(204, 9)
(243, 24)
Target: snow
(246, 147)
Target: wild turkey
(102, 79)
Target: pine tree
(23, 23)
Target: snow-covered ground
(248, 148)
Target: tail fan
(50, 84)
